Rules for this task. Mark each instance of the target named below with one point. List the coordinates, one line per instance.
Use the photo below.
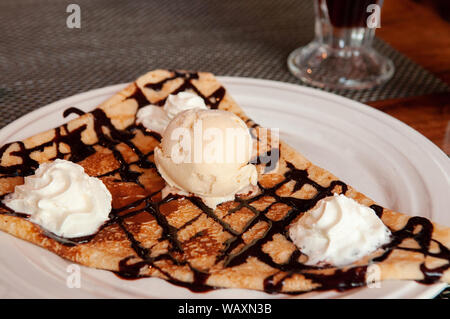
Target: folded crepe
(240, 244)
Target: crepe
(242, 243)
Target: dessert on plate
(120, 188)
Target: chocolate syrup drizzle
(418, 228)
(213, 100)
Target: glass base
(348, 68)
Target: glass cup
(341, 55)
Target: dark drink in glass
(341, 55)
(348, 13)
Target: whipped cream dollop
(156, 118)
(338, 231)
(63, 199)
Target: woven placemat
(42, 60)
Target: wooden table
(418, 31)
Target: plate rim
(356, 105)
(438, 156)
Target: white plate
(377, 154)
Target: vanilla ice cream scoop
(207, 153)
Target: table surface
(402, 26)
